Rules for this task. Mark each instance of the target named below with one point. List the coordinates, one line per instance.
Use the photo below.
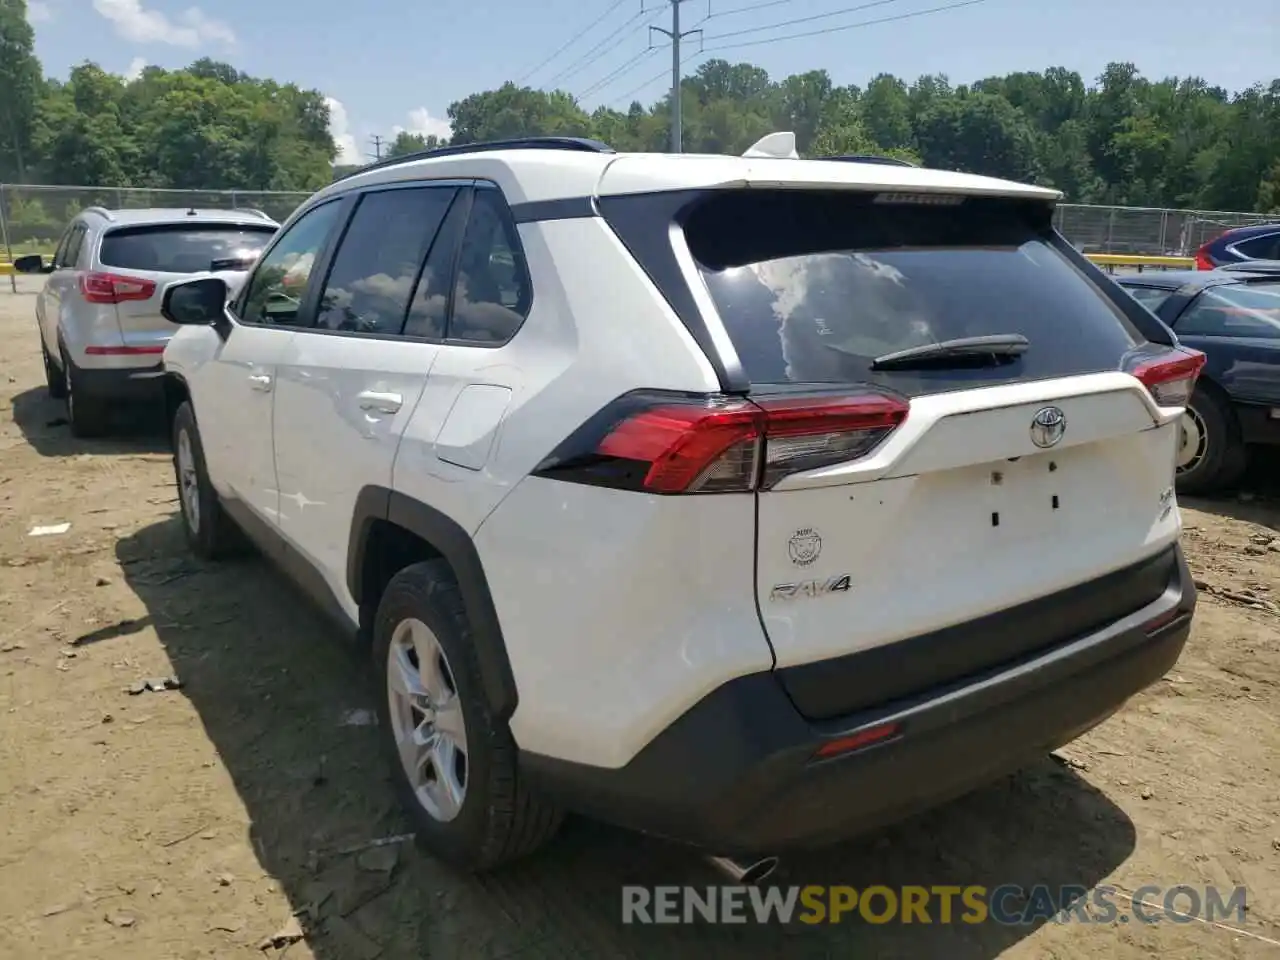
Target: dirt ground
(195, 822)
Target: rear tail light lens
(1203, 261)
(675, 444)
(1171, 377)
(114, 288)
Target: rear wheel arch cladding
(379, 508)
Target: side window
(60, 254)
(1234, 310)
(492, 294)
(369, 287)
(1266, 247)
(276, 290)
(427, 312)
(1149, 297)
(75, 245)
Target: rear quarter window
(181, 248)
(812, 286)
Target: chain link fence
(1146, 231)
(32, 218)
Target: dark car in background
(1233, 317)
(1239, 244)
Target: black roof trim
(579, 144)
(870, 158)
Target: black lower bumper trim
(127, 383)
(736, 774)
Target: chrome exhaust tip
(748, 872)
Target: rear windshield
(813, 286)
(181, 248)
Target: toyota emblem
(1048, 426)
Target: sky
(391, 65)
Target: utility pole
(377, 146)
(677, 107)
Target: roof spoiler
(775, 146)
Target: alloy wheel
(426, 719)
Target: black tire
(1224, 457)
(89, 416)
(211, 534)
(500, 819)
(54, 379)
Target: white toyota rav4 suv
(745, 501)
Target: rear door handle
(374, 401)
(260, 382)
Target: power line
(653, 79)
(796, 36)
(810, 19)
(630, 65)
(849, 26)
(587, 59)
(574, 39)
(625, 68)
(732, 11)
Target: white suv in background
(746, 501)
(101, 330)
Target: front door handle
(260, 382)
(374, 401)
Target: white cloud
(136, 66)
(39, 12)
(423, 123)
(340, 128)
(191, 29)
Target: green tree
(20, 86)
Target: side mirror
(201, 302)
(31, 263)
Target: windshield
(182, 248)
(813, 286)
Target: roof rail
(581, 144)
(871, 158)
(100, 211)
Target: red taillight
(1171, 378)
(664, 444)
(858, 741)
(114, 288)
(1202, 259)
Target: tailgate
(960, 516)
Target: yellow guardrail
(1113, 260)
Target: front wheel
(455, 763)
(1211, 454)
(211, 534)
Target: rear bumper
(736, 774)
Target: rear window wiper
(999, 347)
